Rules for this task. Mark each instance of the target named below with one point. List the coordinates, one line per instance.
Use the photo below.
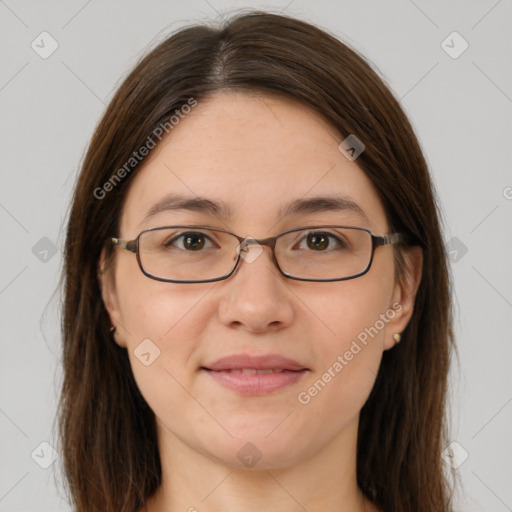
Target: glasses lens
(187, 254)
(324, 253)
(200, 254)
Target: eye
(320, 241)
(190, 241)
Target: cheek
(348, 309)
(164, 320)
(153, 309)
(164, 323)
(355, 314)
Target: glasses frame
(377, 241)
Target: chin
(255, 449)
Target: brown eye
(192, 242)
(321, 242)
(317, 241)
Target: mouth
(255, 375)
(251, 371)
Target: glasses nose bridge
(268, 242)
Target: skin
(256, 153)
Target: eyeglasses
(201, 254)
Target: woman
(257, 302)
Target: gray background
(460, 107)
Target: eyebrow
(177, 202)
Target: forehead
(254, 154)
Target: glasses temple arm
(393, 238)
(129, 245)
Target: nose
(256, 297)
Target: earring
(112, 329)
(397, 337)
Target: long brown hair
(107, 430)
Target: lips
(246, 362)
(254, 371)
(255, 375)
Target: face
(256, 154)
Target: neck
(194, 482)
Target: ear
(109, 295)
(404, 294)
